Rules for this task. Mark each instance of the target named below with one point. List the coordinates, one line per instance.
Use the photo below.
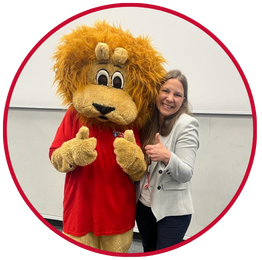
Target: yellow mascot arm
(79, 151)
(129, 156)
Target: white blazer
(170, 185)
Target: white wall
(225, 147)
(215, 84)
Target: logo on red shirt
(118, 134)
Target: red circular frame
(177, 13)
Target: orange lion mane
(75, 56)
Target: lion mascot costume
(108, 79)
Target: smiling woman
(170, 142)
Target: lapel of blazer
(153, 166)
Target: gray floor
(136, 246)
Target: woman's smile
(167, 106)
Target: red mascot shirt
(99, 197)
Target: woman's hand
(158, 152)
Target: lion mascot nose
(103, 109)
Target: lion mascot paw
(109, 80)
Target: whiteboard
(215, 84)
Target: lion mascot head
(108, 76)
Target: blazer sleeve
(183, 156)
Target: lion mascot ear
(102, 51)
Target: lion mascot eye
(117, 80)
(102, 77)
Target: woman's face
(170, 98)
